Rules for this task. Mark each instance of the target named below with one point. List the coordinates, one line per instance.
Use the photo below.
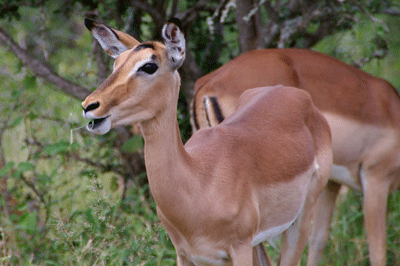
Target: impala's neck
(167, 163)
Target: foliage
(70, 198)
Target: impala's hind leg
(322, 220)
(260, 256)
(375, 192)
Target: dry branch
(41, 69)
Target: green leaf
(75, 146)
(29, 82)
(16, 121)
(18, 67)
(31, 116)
(89, 173)
(28, 221)
(43, 179)
(16, 93)
(26, 166)
(90, 217)
(4, 171)
(59, 147)
(133, 144)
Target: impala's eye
(149, 68)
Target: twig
(391, 12)
(157, 16)
(5, 122)
(3, 187)
(188, 15)
(33, 188)
(379, 54)
(41, 200)
(374, 19)
(103, 167)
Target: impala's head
(144, 79)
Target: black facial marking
(143, 46)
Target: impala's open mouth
(99, 125)
(96, 122)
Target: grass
(103, 230)
(347, 244)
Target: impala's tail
(206, 113)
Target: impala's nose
(91, 106)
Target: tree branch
(246, 23)
(188, 15)
(41, 69)
(157, 16)
(378, 54)
(3, 180)
(374, 19)
(391, 12)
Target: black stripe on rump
(217, 110)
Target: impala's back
(334, 86)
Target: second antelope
(364, 115)
(230, 187)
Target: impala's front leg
(296, 236)
(295, 239)
(242, 254)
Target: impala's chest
(205, 248)
(200, 251)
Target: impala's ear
(114, 42)
(175, 42)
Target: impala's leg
(260, 256)
(175, 239)
(375, 200)
(242, 254)
(296, 236)
(322, 221)
(295, 239)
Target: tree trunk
(247, 26)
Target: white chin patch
(99, 126)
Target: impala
(363, 113)
(230, 187)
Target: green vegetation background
(69, 212)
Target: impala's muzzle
(98, 125)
